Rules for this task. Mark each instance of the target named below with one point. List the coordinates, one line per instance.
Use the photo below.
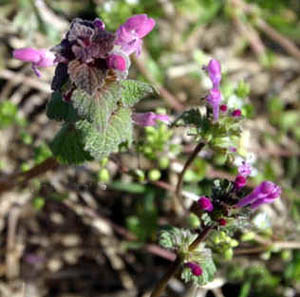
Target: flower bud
(214, 71)
(205, 204)
(236, 113)
(222, 222)
(223, 107)
(240, 181)
(195, 268)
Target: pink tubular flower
(38, 58)
(195, 268)
(240, 181)
(214, 98)
(149, 118)
(130, 34)
(266, 192)
(214, 71)
(205, 204)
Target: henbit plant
(93, 99)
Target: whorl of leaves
(94, 125)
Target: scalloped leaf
(133, 91)
(59, 110)
(86, 77)
(68, 146)
(117, 131)
(97, 108)
(209, 269)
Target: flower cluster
(88, 50)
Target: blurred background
(91, 230)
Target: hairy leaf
(209, 269)
(86, 77)
(98, 108)
(68, 146)
(133, 91)
(117, 131)
(175, 238)
(59, 110)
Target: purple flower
(240, 181)
(130, 34)
(205, 204)
(98, 24)
(195, 268)
(266, 192)
(149, 118)
(245, 169)
(38, 58)
(214, 98)
(214, 71)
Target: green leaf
(209, 269)
(118, 130)
(97, 108)
(68, 146)
(133, 91)
(175, 238)
(59, 110)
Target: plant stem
(201, 237)
(177, 263)
(22, 178)
(190, 160)
(160, 287)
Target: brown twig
(287, 44)
(248, 31)
(22, 178)
(190, 160)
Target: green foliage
(59, 110)
(156, 142)
(219, 136)
(144, 223)
(118, 130)
(8, 114)
(221, 243)
(243, 89)
(292, 271)
(99, 123)
(38, 203)
(175, 238)
(209, 269)
(68, 145)
(41, 153)
(133, 91)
